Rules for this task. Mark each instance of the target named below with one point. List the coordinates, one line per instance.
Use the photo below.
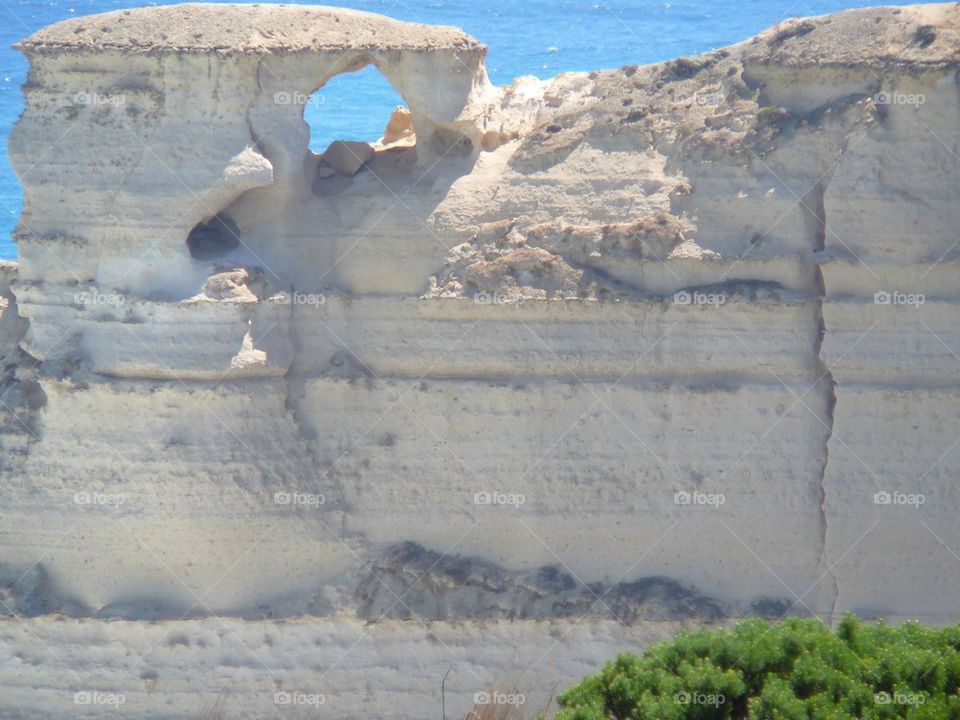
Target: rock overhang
(246, 29)
(626, 227)
(141, 70)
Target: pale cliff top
(245, 29)
(913, 34)
(917, 34)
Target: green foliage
(775, 117)
(795, 670)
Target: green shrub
(771, 116)
(795, 670)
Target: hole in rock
(214, 238)
(353, 106)
(354, 119)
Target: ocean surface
(540, 38)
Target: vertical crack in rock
(292, 377)
(815, 205)
(289, 376)
(295, 387)
(252, 105)
(21, 395)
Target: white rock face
(663, 344)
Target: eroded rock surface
(408, 581)
(683, 334)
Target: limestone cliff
(547, 371)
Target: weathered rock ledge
(245, 29)
(645, 346)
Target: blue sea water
(539, 38)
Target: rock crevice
(629, 311)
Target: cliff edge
(547, 371)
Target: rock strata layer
(660, 344)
